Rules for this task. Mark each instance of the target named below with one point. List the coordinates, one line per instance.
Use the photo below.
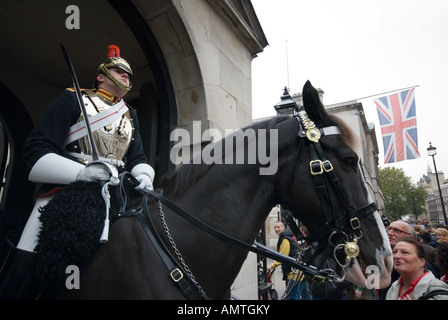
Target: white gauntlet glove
(144, 173)
(94, 172)
(53, 168)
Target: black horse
(236, 199)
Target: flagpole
(287, 61)
(384, 93)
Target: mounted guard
(84, 135)
(314, 149)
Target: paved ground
(277, 283)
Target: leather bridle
(342, 231)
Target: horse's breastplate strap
(113, 138)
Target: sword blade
(92, 144)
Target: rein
(258, 248)
(176, 271)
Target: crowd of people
(420, 262)
(420, 271)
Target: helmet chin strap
(115, 80)
(114, 60)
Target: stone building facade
(435, 210)
(428, 181)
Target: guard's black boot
(17, 276)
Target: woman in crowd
(415, 280)
(442, 234)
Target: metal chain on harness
(177, 252)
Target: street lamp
(286, 106)
(432, 151)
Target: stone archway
(36, 71)
(177, 44)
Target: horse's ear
(313, 106)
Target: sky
(353, 49)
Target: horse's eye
(350, 161)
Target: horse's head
(324, 187)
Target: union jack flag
(398, 122)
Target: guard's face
(121, 75)
(107, 84)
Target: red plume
(113, 51)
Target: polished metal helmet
(114, 60)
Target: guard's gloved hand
(144, 173)
(94, 172)
(145, 183)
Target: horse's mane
(347, 134)
(187, 174)
(183, 177)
